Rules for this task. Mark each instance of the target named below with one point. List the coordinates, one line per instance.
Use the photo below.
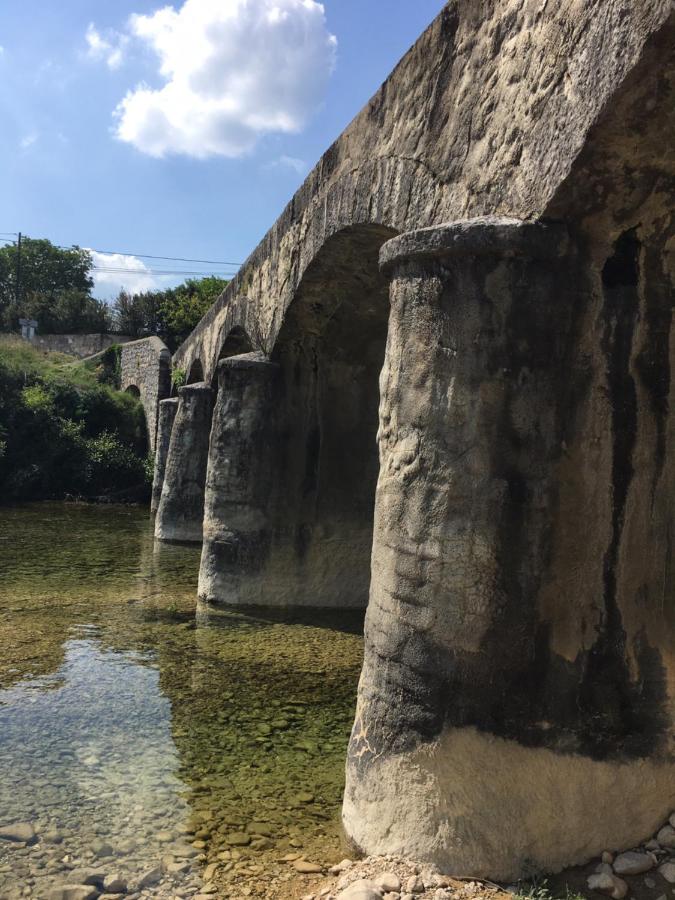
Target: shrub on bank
(63, 433)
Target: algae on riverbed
(228, 731)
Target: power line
(208, 262)
(111, 270)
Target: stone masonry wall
(80, 345)
(146, 366)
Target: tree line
(54, 285)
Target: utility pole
(18, 272)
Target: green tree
(138, 314)
(172, 314)
(185, 305)
(55, 288)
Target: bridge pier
(240, 482)
(165, 419)
(181, 506)
(513, 712)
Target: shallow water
(132, 731)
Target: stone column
(165, 420)
(513, 711)
(240, 482)
(181, 506)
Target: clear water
(133, 731)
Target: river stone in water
(73, 892)
(19, 831)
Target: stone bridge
(146, 372)
(442, 383)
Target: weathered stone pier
(181, 506)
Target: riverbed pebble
(633, 862)
(307, 868)
(611, 885)
(389, 882)
(73, 892)
(666, 837)
(18, 831)
(115, 883)
(667, 871)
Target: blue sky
(222, 107)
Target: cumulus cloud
(114, 272)
(109, 48)
(233, 70)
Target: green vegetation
(172, 314)
(64, 431)
(538, 889)
(178, 376)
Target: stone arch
(236, 343)
(195, 372)
(134, 390)
(330, 349)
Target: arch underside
(330, 351)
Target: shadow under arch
(330, 350)
(195, 373)
(236, 343)
(141, 437)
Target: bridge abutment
(516, 662)
(181, 507)
(240, 482)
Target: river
(139, 738)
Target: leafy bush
(178, 376)
(109, 369)
(111, 464)
(62, 433)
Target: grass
(538, 889)
(21, 357)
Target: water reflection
(124, 722)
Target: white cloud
(109, 48)
(233, 70)
(28, 140)
(289, 162)
(114, 272)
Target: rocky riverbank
(395, 878)
(35, 862)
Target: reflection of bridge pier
(514, 531)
